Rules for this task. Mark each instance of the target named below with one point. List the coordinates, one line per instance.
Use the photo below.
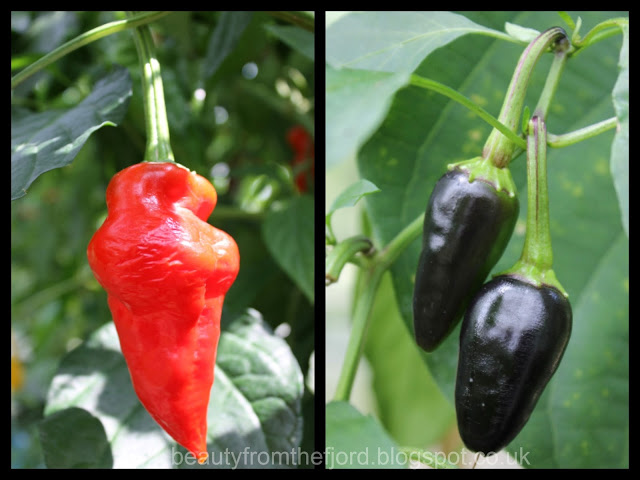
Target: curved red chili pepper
(166, 272)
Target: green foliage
(417, 133)
(255, 403)
(233, 88)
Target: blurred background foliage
(229, 118)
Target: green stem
(156, 123)
(226, 212)
(361, 316)
(82, 40)
(537, 244)
(566, 139)
(536, 262)
(600, 32)
(302, 19)
(24, 308)
(371, 280)
(342, 253)
(499, 148)
(551, 84)
(427, 83)
(399, 244)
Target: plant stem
(566, 139)
(371, 280)
(361, 316)
(226, 212)
(301, 19)
(82, 40)
(156, 123)
(535, 263)
(499, 148)
(419, 81)
(601, 31)
(537, 243)
(553, 78)
(343, 253)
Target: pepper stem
(156, 124)
(536, 261)
(499, 148)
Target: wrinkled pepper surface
(166, 272)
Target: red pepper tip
(202, 457)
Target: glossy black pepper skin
(467, 226)
(512, 339)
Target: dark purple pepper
(513, 337)
(466, 229)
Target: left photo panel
(162, 240)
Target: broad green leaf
(297, 38)
(410, 405)
(89, 448)
(224, 39)
(423, 132)
(393, 41)
(377, 42)
(620, 148)
(357, 101)
(354, 440)
(584, 414)
(255, 403)
(43, 141)
(288, 234)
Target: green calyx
(484, 170)
(534, 275)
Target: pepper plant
(411, 93)
(218, 94)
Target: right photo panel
(477, 240)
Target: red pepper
(166, 272)
(302, 145)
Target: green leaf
(357, 101)
(520, 33)
(354, 440)
(288, 234)
(297, 38)
(351, 195)
(43, 141)
(376, 42)
(567, 19)
(255, 403)
(410, 405)
(224, 39)
(89, 448)
(393, 41)
(620, 147)
(582, 420)
(423, 132)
